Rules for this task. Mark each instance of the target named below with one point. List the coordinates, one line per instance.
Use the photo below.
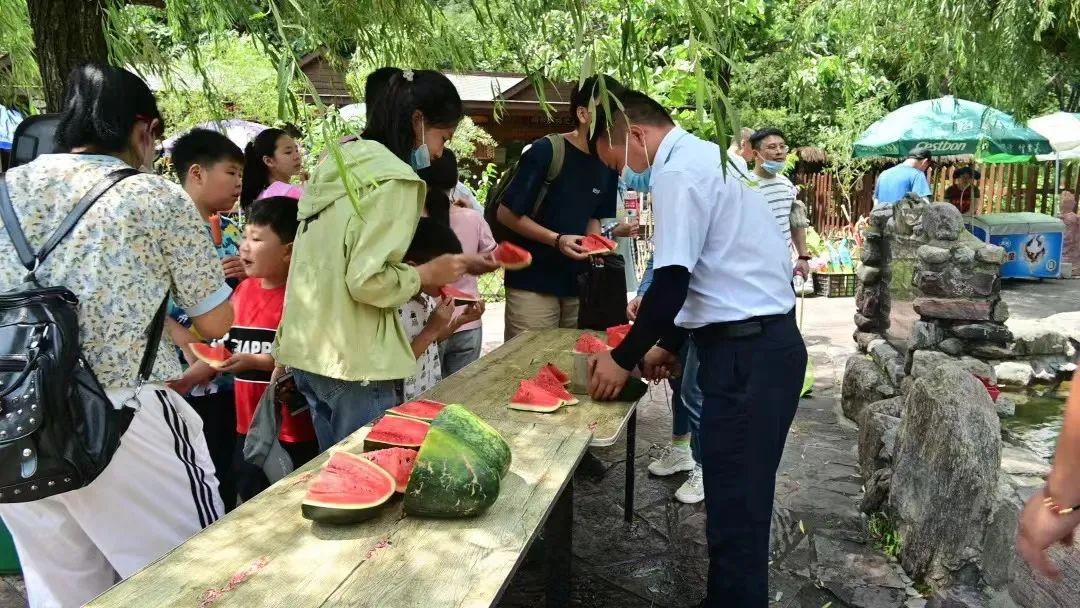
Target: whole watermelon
(450, 479)
(477, 434)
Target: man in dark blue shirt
(545, 295)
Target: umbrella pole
(1057, 180)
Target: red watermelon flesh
(511, 257)
(616, 334)
(460, 297)
(531, 397)
(552, 385)
(213, 355)
(421, 409)
(396, 461)
(588, 344)
(396, 431)
(596, 244)
(349, 489)
(554, 370)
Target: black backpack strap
(14, 229)
(157, 325)
(81, 208)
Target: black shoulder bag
(58, 428)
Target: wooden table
(283, 560)
(487, 385)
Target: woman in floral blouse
(139, 241)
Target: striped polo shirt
(779, 194)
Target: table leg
(631, 452)
(558, 542)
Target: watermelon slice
(421, 409)
(213, 355)
(396, 461)
(616, 334)
(558, 373)
(511, 257)
(588, 344)
(594, 244)
(461, 298)
(348, 490)
(531, 397)
(395, 431)
(552, 385)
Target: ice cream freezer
(1032, 242)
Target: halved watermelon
(511, 257)
(557, 373)
(531, 397)
(450, 478)
(421, 409)
(552, 385)
(348, 490)
(588, 344)
(477, 434)
(213, 355)
(616, 334)
(396, 461)
(461, 298)
(396, 431)
(594, 244)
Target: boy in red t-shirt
(258, 303)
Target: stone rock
(957, 597)
(963, 255)
(888, 443)
(1006, 408)
(1000, 312)
(985, 350)
(861, 379)
(873, 423)
(948, 308)
(1046, 369)
(877, 490)
(868, 324)
(889, 360)
(1035, 338)
(868, 299)
(984, 332)
(945, 475)
(990, 254)
(1014, 373)
(942, 222)
(926, 361)
(868, 275)
(933, 255)
(1030, 588)
(855, 575)
(999, 540)
(954, 282)
(926, 335)
(1016, 460)
(952, 346)
(864, 338)
(871, 253)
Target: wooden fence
(1004, 188)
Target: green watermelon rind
(477, 434)
(449, 479)
(348, 513)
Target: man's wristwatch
(805, 258)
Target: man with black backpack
(556, 194)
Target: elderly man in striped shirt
(770, 154)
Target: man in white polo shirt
(770, 152)
(723, 278)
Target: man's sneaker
(692, 491)
(673, 459)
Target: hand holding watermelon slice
(511, 257)
(594, 244)
(214, 355)
(460, 297)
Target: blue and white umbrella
(9, 119)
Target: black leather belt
(733, 330)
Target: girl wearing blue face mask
(340, 332)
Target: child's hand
(472, 312)
(199, 374)
(441, 318)
(239, 362)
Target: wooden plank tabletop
(265, 554)
(486, 386)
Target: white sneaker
(673, 459)
(692, 491)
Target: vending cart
(1032, 242)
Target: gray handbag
(262, 448)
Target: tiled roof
(483, 87)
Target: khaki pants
(530, 310)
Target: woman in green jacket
(340, 332)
